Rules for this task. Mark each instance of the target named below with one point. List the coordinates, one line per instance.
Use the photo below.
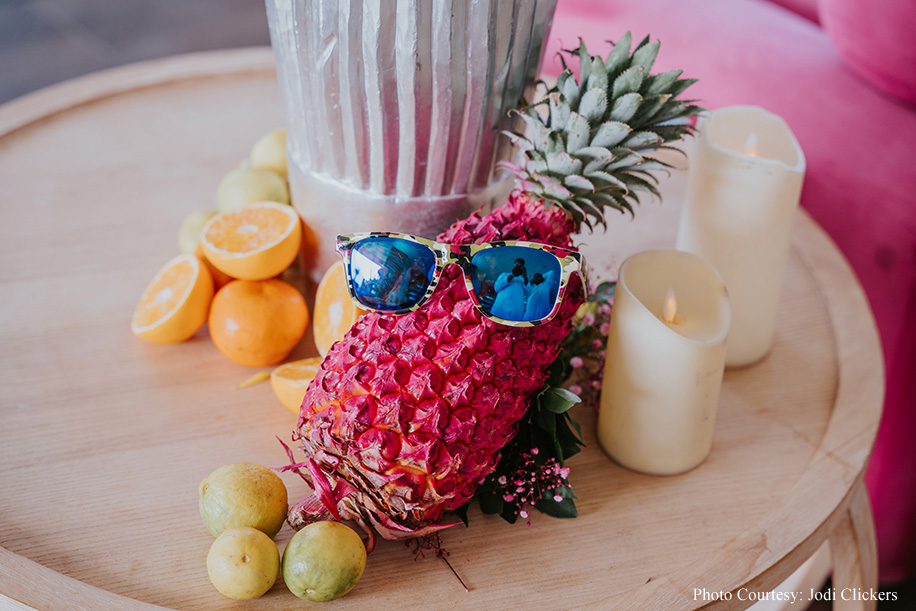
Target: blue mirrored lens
(516, 283)
(390, 274)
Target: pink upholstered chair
(842, 90)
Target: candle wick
(669, 311)
(750, 145)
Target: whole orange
(257, 322)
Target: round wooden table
(105, 437)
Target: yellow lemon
(243, 494)
(243, 186)
(243, 563)
(175, 304)
(291, 380)
(269, 152)
(323, 561)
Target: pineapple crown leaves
(588, 144)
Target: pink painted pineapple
(408, 413)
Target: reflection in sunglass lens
(516, 283)
(390, 274)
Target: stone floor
(46, 41)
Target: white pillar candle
(743, 188)
(663, 370)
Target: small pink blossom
(596, 384)
(508, 497)
(575, 389)
(604, 328)
(523, 513)
(576, 362)
(558, 498)
(604, 309)
(588, 320)
(535, 451)
(596, 343)
(502, 480)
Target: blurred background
(47, 41)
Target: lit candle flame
(669, 312)
(750, 145)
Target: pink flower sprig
(532, 484)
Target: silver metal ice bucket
(393, 107)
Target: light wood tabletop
(105, 438)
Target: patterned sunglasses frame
(571, 262)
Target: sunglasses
(520, 284)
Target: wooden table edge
(54, 99)
(852, 325)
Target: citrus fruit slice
(290, 381)
(269, 152)
(174, 304)
(253, 243)
(243, 186)
(323, 561)
(334, 312)
(243, 563)
(256, 323)
(243, 494)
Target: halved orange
(175, 303)
(291, 380)
(334, 311)
(256, 242)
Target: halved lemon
(175, 303)
(334, 312)
(290, 381)
(256, 242)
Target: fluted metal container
(393, 107)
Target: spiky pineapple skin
(412, 410)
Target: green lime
(189, 232)
(243, 494)
(323, 561)
(243, 563)
(269, 152)
(243, 186)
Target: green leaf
(577, 129)
(568, 87)
(593, 105)
(619, 56)
(574, 181)
(639, 140)
(563, 163)
(546, 421)
(610, 133)
(645, 56)
(608, 178)
(629, 81)
(585, 62)
(558, 400)
(490, 502)
(650, 106)
(537, 131)
(563, 509)
(660, 83)
(462, 513)
(559, 111)
(598, 75)
(625, 107)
